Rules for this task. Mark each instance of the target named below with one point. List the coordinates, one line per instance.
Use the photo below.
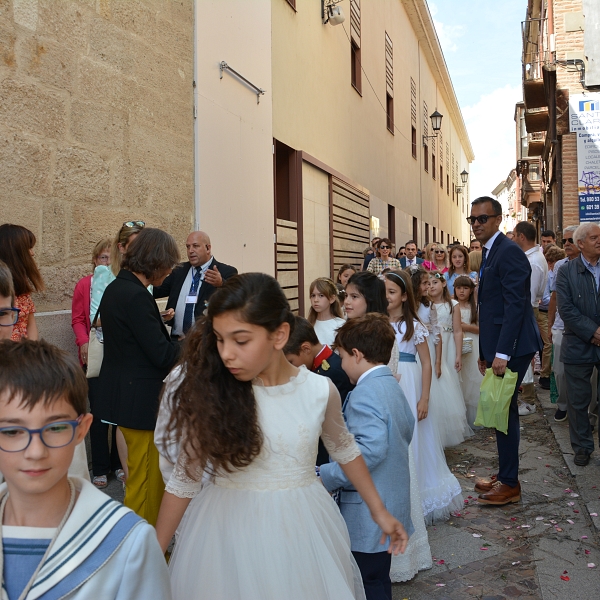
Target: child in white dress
(263, 526)
(325, 313)
(449, 415)
(470, 376)
(439, 489)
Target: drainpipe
(196, 135)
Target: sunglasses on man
(565, 240)
(483, 219)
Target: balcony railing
(536, 48)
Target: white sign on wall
(584, 120)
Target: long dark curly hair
(215, 414)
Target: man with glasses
(578, 297)
(411, 257)
(508, 335)
(190, 286)
(556, 326)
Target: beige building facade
(333, 152)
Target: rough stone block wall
(96, 125)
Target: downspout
(196, 135)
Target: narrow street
(541, 548)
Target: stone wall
(96, 126)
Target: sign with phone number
(589, 207)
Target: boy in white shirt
(61, 537)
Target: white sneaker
(526, 409)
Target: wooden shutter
(389, 65)
(355, 22)
(350, 224)
(287, 261)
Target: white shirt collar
(491, 241)
(369, 371)
(532, 250)
(203, 268)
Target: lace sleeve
(436, 330)
(421, 333)
(394, 358)
(338, 440)
(180, 484)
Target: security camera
(336, 15)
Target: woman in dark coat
(138, 355)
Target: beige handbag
(467, 346)
(95, 350)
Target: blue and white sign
(584, 119)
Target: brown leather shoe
(485, 485)
(501, 494)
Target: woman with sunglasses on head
(104, 459)
(385, 260)
(16, 250)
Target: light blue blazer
(378, 415)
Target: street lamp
(436, 125)
(464, 177)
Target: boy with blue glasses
(60, 536)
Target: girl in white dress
(263, 526)
(470, 376)
(439, 489)
(450, 414)
(325, 313)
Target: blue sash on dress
(407, 357)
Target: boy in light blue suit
(378, 415)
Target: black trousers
(508, 443)
(104, 458)
(375, 573)
(579, 396)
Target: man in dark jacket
(578, 297)
(191, 285)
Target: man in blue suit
(508, 334)
(411, 257)
(378, 415)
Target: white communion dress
(470, 376)
(440, 491)
(271, 530)
(449, 413)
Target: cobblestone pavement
(539, 548)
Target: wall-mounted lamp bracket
(223, 66)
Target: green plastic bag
(494, 400)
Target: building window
(355, 68)
(389, 105)
(414, 141)
(426, 158)
(392, 223)
(415, 228)
(389, 82)
(433, 165)
(426, 233)
(286, 183)
(447, 184)
(441, 176)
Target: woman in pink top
(80, 307)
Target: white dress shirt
(183, 294)
(539, 274)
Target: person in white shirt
(525, 237)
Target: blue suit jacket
(506, 321)
(378, 415)
(403, 261)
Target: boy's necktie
(188, 316)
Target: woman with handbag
(104, 459)
(138, 355)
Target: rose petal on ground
(483, 548)
(440, 584)
(525, 526)
(510, 539)
(547, 495)
(558, 529)
(584, 537)
(576, 511)
(574, 495)
(553, 521)
(568, 491)
(591, 565)
(571, 503)
(476, 535)
(517, 562)
(539, 518)
(441, 562)
(513, 518)
(587, 551)
(570, 522)
(593, 514)
(565, 578)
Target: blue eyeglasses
(9, 316)
(53, 435)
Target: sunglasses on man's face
(565, 240)
(483, 219)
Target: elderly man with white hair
(578, 297)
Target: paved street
(523, 550)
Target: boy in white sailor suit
(61, 537)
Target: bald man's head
(198, 247)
